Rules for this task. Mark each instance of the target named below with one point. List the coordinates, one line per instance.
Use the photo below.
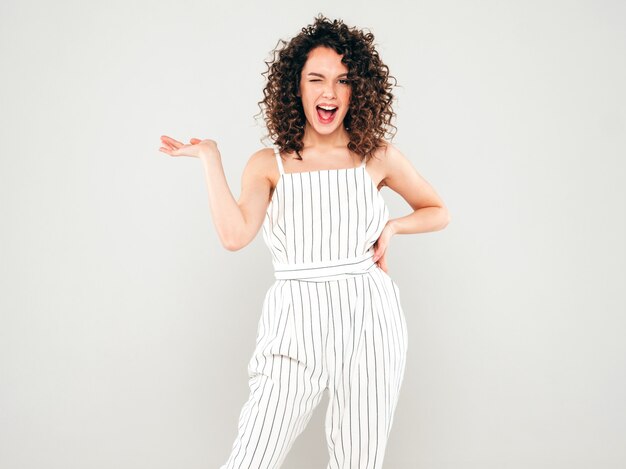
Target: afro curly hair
(369, 115)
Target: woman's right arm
(237, 222)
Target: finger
(165, 138)
(171, 141)
(383, 258)
(177, 152)
(168, 145)
(380, 251)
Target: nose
(329, 91)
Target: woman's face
(323, 82)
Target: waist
(326, 270)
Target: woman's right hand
(197, 148)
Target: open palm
(196, 148)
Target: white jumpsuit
(332, 320)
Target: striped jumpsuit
(332, 320)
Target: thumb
(380, 248)
(376, 253)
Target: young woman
(332, 320)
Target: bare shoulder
(391, 154)
(261, 168)
(387, 160)
(261, 157)
(261, 160)
(403, 178)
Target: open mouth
(326, 114)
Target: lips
(326, 115)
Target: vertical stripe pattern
(324, 215)
(332, 321)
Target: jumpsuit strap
(363, 162)
(279, 160)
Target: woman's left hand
(380, 246)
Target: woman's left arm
(429, 211)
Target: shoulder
(388, 153)
(262, 163)
(387, 160)
(261, 156)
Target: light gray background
(126, 328)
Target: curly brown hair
(369, 114)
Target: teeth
(328, 108)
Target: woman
(332, 320)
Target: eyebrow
(320, 75)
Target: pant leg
(286, 378)
(366, 369)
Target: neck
(312, 138)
